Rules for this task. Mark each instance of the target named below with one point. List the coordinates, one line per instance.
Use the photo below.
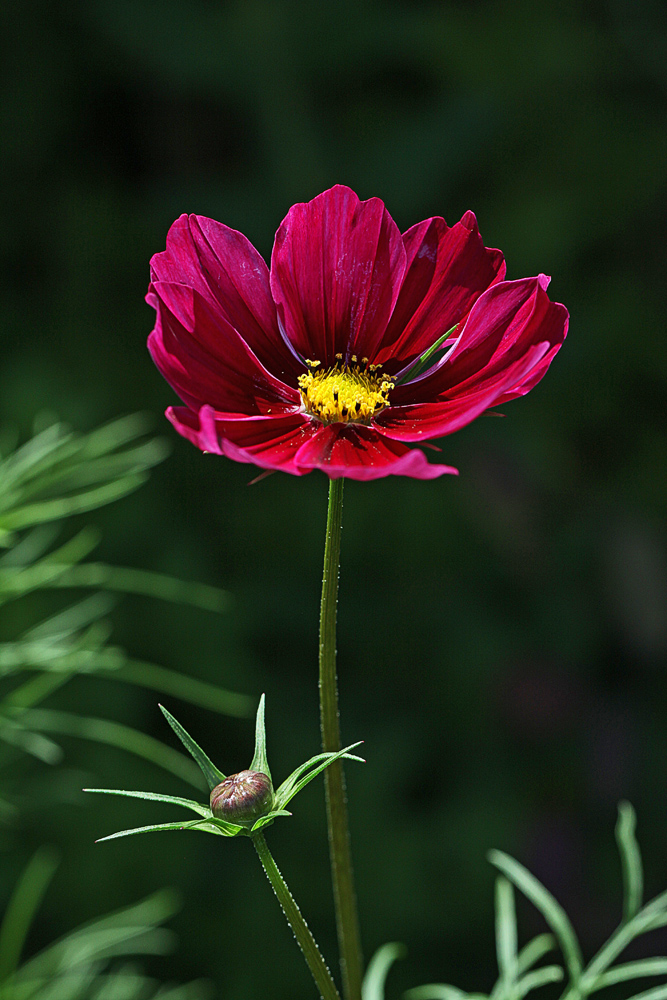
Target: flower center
(345, 392)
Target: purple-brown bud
(242, 798)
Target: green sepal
(268, 819)
(155, 797)
(298, 779)
(209, 770)
(194, 824)
(420, 364)
(259, 761)
(225, 828)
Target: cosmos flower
(358, 342)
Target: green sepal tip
(209, 770)
(259, 760)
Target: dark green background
(502, 635)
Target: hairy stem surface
(347, 919)
(305, 939)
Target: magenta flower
(357, 343)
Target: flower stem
(305, 939)
(347, 920)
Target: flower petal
(225, 268)
(421, 421)
(447, 270)
(359, 452)
(270, 442)
(336, 270)
(506, 321)
(205, 360)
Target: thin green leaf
(190, 825)
(649, 918)
(36, 689)
(435, 991)
(631, 970)
(137, 581)
(31, 548)
(209, 770)
(297, 780)
(420, 364)
(506, 933)
(378, 968)
(113, 734)
(189, 689)
(72, 618)
(35, 744)
(260, 761)
(656, 993)
(117, 432)
(536, 949)
(52, 510)
(101, 937)
(539, 977)
(552, 911)
(47, 572)
(631, 861)
(24, 903)
(197, 807)
(196, 990)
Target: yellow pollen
(345, 393)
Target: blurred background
(502, 635)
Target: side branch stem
(347, 920)
(305, 939)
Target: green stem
(347, 920)
(305, 939)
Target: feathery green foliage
(518, 972)
(51, 477)
(89, 963)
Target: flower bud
(242, 798)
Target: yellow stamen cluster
(346, 392)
